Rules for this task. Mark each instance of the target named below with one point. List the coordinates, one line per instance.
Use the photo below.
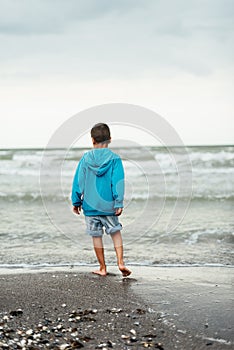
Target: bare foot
(100, 272)
(125, 272)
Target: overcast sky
(59, 57)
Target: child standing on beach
(98, 188)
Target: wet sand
(195, 300)
(76, 309)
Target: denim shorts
(95, 225)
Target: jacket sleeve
(118, 183)
(78, 184)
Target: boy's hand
(76, 210)
(118, 211)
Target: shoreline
(156, 291)
(27, 268)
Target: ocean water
(179, 207)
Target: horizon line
(90, 147)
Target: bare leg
(99, 250)
(118, 244)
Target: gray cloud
(53, 16)
(178, 17)
(103, 38)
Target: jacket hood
(99, 160)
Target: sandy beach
(194, 300)
(76, 309)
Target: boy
(98, 188)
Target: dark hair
(101, 133)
